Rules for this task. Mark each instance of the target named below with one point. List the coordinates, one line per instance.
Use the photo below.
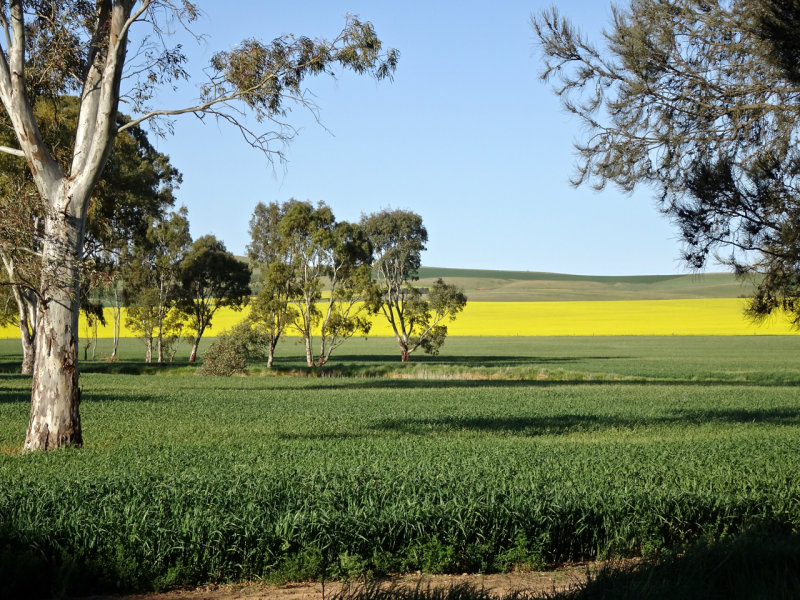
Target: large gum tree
(81, 46)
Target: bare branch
(14, 151)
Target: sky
(466, 135)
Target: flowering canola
(722, 316)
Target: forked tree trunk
(405, 355)
(55, 397)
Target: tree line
(324, 280)
(310, 274)
(51, 49)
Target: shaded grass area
(187, 479)
(758, 563)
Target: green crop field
(505, 453)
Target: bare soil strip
(498, 585)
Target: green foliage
(189, 480)
(263, 75)
(234, 350)
(210, 278)
(672, 102)
(398, 238)
(298, 249)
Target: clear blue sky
(466, 135)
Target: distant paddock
(723, 316)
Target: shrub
(233, 350)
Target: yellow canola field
(722, 316)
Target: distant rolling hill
(527, 286)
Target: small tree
(270, 310)
(320, 251)
(152, 280)
(297, 251)
(398, 238)
(272, 275)
(233, 350)
(346, 313)
(211, 277)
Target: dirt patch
(498, 585)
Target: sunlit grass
(639, 446)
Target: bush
(233, 350)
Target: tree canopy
(51, 49)
(700, 101)
(417, 317)
(210, 277)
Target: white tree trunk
(117, 320)
(27, 330)
(55, 397)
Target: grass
(641, 447)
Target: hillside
(528, 286)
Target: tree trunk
(117, 320)
(197, 338)
(160, 345)
(94, 339)
(26, 310)
(405, 355)
(309, 352)
(55, 398)
(273, 343)
(28, 352)
(148, 352)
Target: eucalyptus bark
(309, 350)
(55, 396)
(27, 329)
(117, 320)
(195, 344)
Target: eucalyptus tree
(270, 310)
(137, 183)
(346, 312)
(314, 277)
(74, 46)
(152, 281)
(701, 102)
(320, 251)
(417, 317)
(210, 278)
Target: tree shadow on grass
(15, 396)
(466, 361)
(538, 425)
(761, 562)
(333, 381)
